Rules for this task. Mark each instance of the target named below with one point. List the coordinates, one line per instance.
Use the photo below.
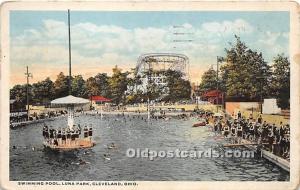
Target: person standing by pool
(239, 115)
(259, 119)
(271, 140)
(278, 139)
(220, 127)
(265, 127)
(286, 149)
(251, 131)
(90, 133)
(73, 135)
(77, 132)
(85, 132)
(63, 137)
(239, 132)
(59, 135)
(45, 132)
(215, 127)
(79, 129)
(55, 141)
(51, 134)
(233, 133)
(68, 134)
(226, 130)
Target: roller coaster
(157, 62)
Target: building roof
(100, 99)
(11, 101)
(212, 93)
(69, 100)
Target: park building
(99, 102)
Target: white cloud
(187, 25)
(285, 34)
(228, 27)
(42, 54)
(92, 40)
(55, 30)
(269, 38)
(100, 46)
(271, 44)
(150, 39)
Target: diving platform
(71, 145)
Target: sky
(102, 39)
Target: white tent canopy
(69, 100)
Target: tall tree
(18, 93)
(102, 81)
(99, 85)
(79, 87)
(118, 85)
(61, 85)
(133, 94)
(178, 87)
(43, 91)
(281, 81)
(246, 75)
(208, 81)
(92, 87)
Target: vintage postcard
(150, 95)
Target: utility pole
(69, 34)
(217, 83)
(261, 98)
(261, 78)
(27, 90)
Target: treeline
(245, 76)
(121, 87)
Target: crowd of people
(18, 119)
(275, 138)
(66, 136)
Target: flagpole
(70, 67)
(70, 108)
